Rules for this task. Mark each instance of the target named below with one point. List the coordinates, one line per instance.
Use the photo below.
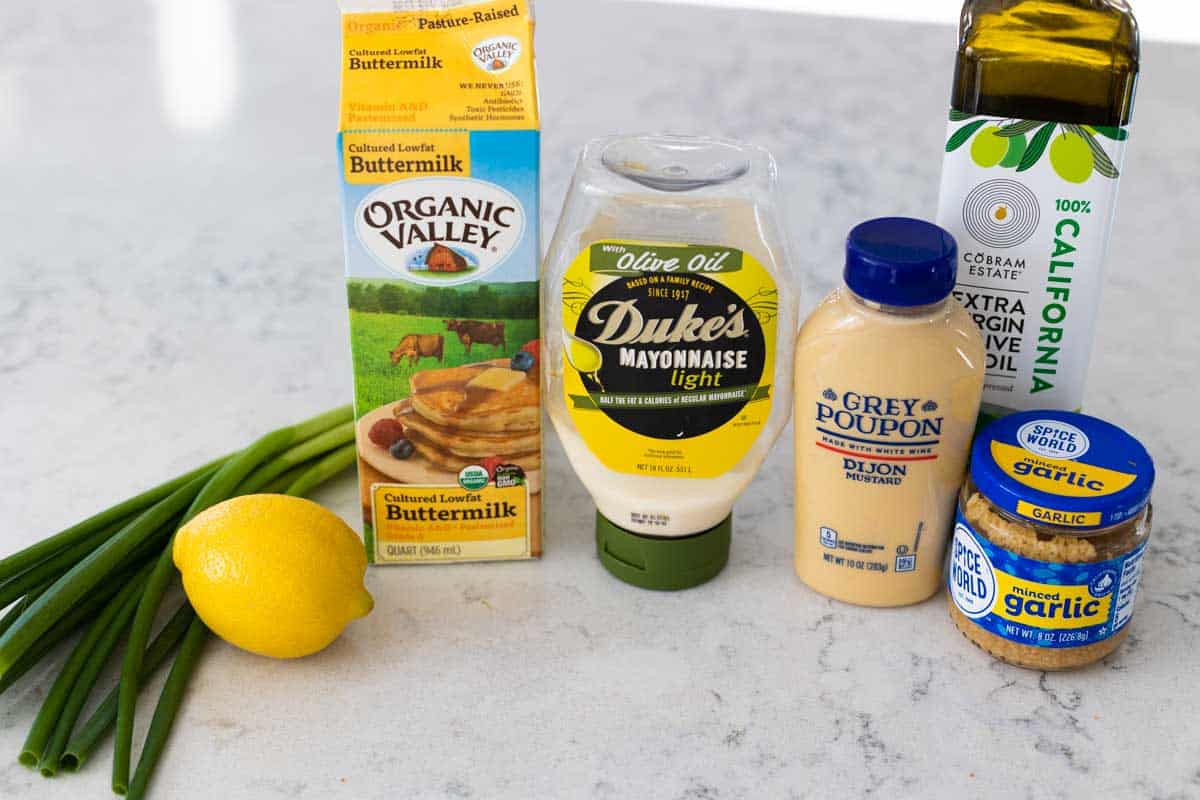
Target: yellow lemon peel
(275, 575)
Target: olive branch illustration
(1074, 162)
(575, 295)
(764, 303)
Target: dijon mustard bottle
(889, 372)
(1039, 117)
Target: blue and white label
(1053, 438)
(879, 440)
(970, 576)
(1040, 603)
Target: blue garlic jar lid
(1062, 469)
(898, 261)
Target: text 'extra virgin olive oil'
(1039, 119)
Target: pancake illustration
(469, 444)
(456, 417)
(453, 462)
(462, 415)
(478, 398)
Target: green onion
(82, 612)
(81, 746)
(329, 466)
(297, 457)
(280, 484)
(220, 487)
(20, 561)
(91, 571)
(56, 700)
(168, 706)
(14, 613)
(85, 682)
(53, 567)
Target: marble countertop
(171, 285)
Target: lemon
(276, 575)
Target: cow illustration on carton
(472, 331)
(415, 346)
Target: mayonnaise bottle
(889, 376)
(669, 313)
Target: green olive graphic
(1016, 149)
(1072, 158)
(988, 149)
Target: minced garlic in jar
(1047, 552)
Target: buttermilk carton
(439, 151)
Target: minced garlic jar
(1052, 525)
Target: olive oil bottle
(1039, 119)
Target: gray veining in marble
(171, 286)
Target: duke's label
(1040, 603)
(1031, 205)
(669, 355)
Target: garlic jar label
(668, 355)
(1040, 603)
(1031, 205)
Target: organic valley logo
(497, 54)
(440, 231)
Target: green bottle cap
(656, 562)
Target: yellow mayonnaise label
(1061, 477)
(668, 355)
(464, 67)
(449, 523)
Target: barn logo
(497, 54)
(440, 231)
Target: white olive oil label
(1031, 205)
(668, 355)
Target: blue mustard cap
(898, 261)
(1062, 469)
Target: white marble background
(170, 286)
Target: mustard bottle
(889, 373)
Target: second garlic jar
(889, 375)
